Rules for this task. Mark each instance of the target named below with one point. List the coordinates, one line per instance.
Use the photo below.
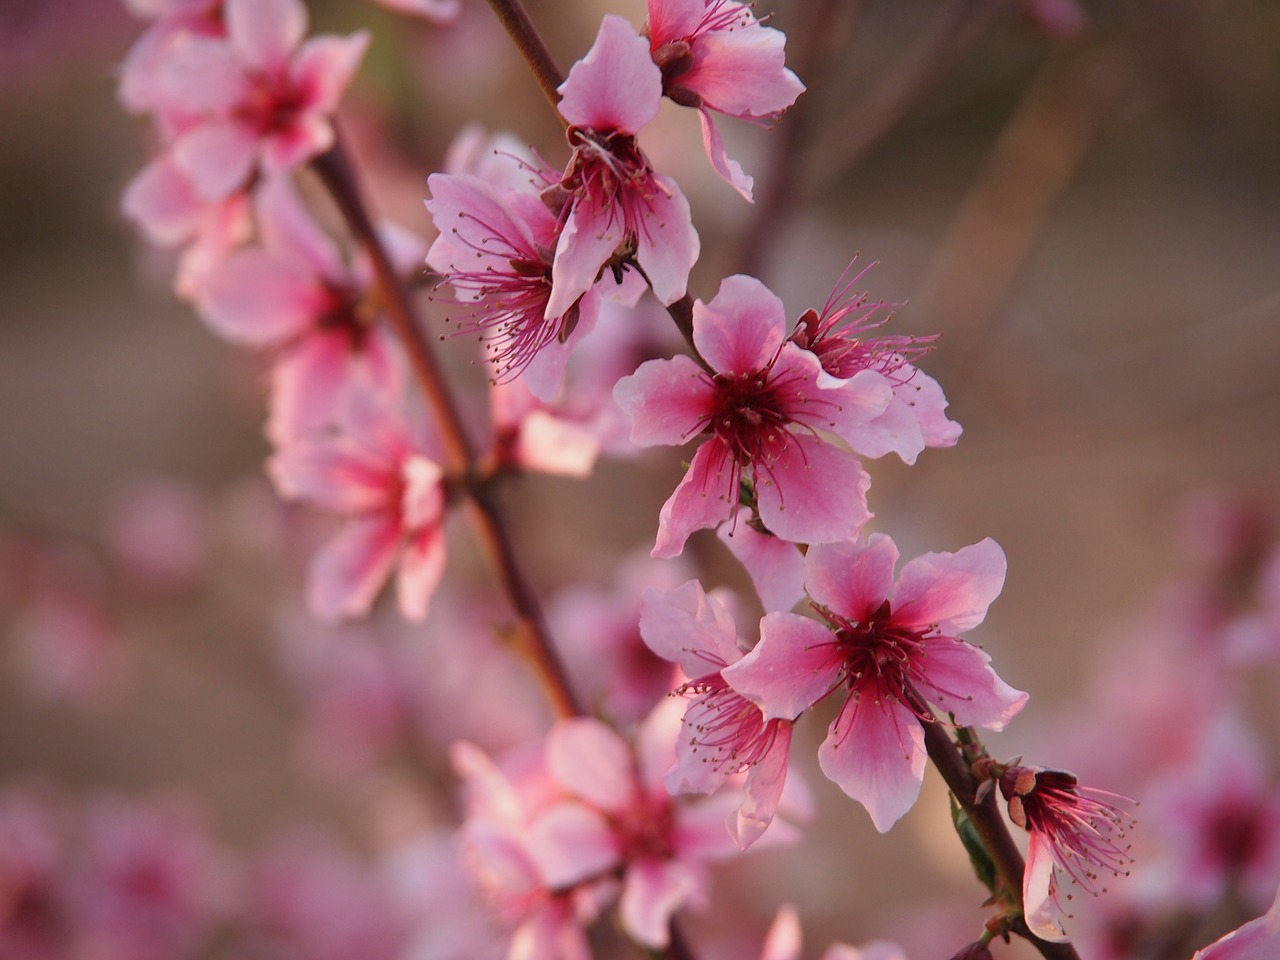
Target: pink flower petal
(438, 11)
(163, 202)
(674, 19)
(783, 940)
(616, 86)
(325, 67)
(1256, 940)
(548, 444)
(256, 299)
(740, 330)
(265, 32)
(199, 75)
(813, 492)
(790, 669)
(701, 500)
(571, 842)
(347, 573)
(667, 245)
(1039, 900)
(850, 579)
(875, 753)
(763, 788)
(339, 479)
(654, 890)
(741, 72)
(218, 156)
(690, 628)
(305, 383)
(289, 148)
(289, 231)
(665, 399)
(952, 590)
(592, 762)
(962, 682)
(730, 170)
(586, 243)
(776, 567)
(421, 567)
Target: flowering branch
(531, 46)
(334, 170)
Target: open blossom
(380, 470)
(895, 652)
(761, 405)
(843, 337)
(716, 56)
(617, 208)
(723, 732)
(256, 94)
(1075, 829)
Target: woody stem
(532, 47)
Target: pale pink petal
(548, 444)
(265, 32)
(740, 330)
(875, 753)
(586, 243)
(673, 19)
(571, 842)
(692, 772)
(200, 75)
(256, 299)
(546, 371)
(551, 933)
(421, 566)
(690, 628)
(894, 430)
(616, 86)
(741, 72)
(324, 67)
(438, 11)
(654, 890)
(305, 382)
(952, 590)
(790, 669)
(783, 940)
(730, 170)
(813, 492)
(287, 149)
(961, 682)
(1256, 940)
(1039, 896)
(929, 405)
(852, 579)
(290, 232)
(347, 573)
(337, 479)
(775, 566)
(763, 790)
(665, 399)
(702, 499)
(592, 762)
(667, 245)
(163, 202)
(218, 156)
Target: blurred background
(1084, 201)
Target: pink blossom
(914, 418)
(257, 94)
(495, 248)
(715, 55)
(723, 732)
(775, 566)
(618, 209)
(438, 11)
(296, 292)
(1256, 940)
(895, 651)
(762, 403)
(33, 922)
(618, 816)
(783, 942)
(1075, 829)
(378, 469)
(157, 532)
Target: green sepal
(983, 867)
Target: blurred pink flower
(33, 909)
(762, 404)
(1256, 940)
(618, 208)
(157, 532)
(896, 651)
(715, 55)
(379, 469)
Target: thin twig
(529, 42)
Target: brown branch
(532, 47)
(335, 171)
